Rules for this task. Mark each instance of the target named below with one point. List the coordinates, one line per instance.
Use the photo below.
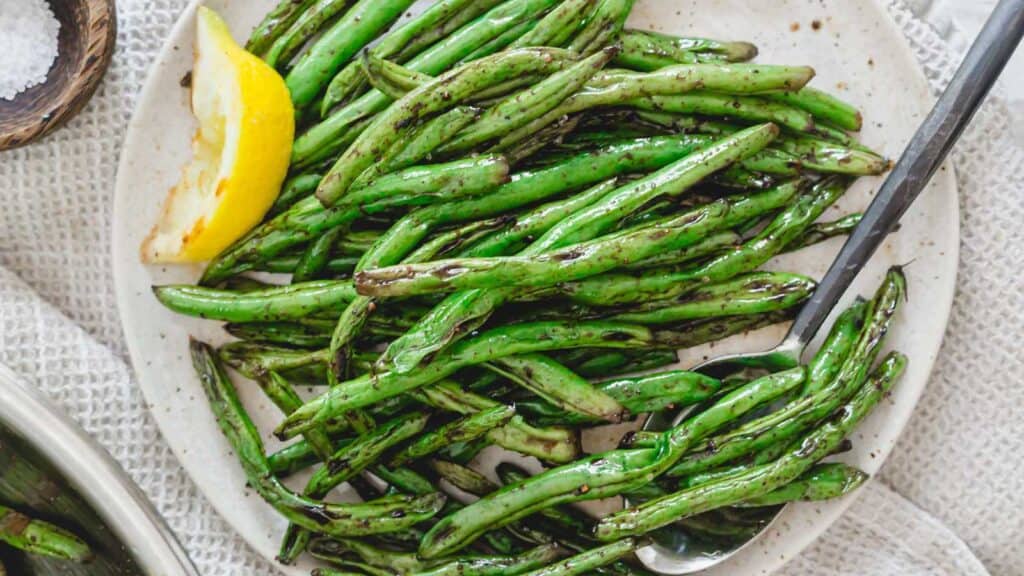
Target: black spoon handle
(923, 156)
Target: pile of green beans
(503, 220)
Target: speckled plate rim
(156, 147)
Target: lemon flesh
(240, 151)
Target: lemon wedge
(240, 151)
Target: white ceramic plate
(857, 51)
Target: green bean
(755, 293)
(281, 393)
(824, 106)
(536, 222)
(559, 385)
(640, 439)
(308, 219)
(772, 453)
(429, 136)
(555, 520)
(529, 104)
(292, 459)
(773, 162)
(789, 154)
(713, 244)
(292, 334)
(334, 552)
(667, 88)
(461, 239)
(257, 361)
(392, 79)
(283, 303)
(602, 25)
(466, 479)
(748, 108)
(464, 452)
(671, 181)
(825, 230)
(445, 92)
(822, 482)
(571, 262)
(759, 480)
(295, 189)
(792, 419)
(587, 562)
(837, 347)
(422, 141)
(696, 333)
(313, 262)
(318, 140)
(499, 91)
(610, 363)
(276, 23)
(501, 41)
(729, 51)
(618, 289)
(357, 242)
(558, 26)
(384, 515)
(428, 184)
(360, 25)
(436, 22)
(346, 463)
(308, 22)
(826, 156)
(469, 309)
(579, 171)
(462, 430)
(312, 333)
(493, 170)
(244, 284)
(491, 345)
(321, 159)
(497, 566)
(405, 563)
(522, 151)
(740, 178)
(640, 394)
(548, 444)
(646, 51)
(360, 570)
(404, 479)
(681, 123)
(346, 85)
(41, 538)
(363, 452)
(776, 162)
(598, 476)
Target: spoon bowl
(86, 44)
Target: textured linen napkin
(957, 460)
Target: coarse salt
(28, 44)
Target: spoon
(674, 552)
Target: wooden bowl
(87, 32)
